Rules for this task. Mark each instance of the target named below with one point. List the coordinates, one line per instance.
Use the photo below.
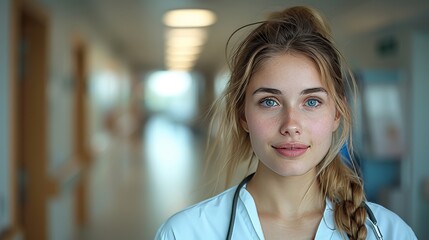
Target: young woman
(286, 107)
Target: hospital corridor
(105, 108)
(136, 186)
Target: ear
(243, 123)
(336, 121)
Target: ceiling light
(181, 58)
(185, 42)
(200, 33)
(189, 18)
(177, 61)
(190, 50)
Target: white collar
(325, 230)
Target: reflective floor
(136, 185)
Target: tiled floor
(135, 188)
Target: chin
(293, 171)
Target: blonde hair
(294, 30)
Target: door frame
(29, 130)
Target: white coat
(210, 220)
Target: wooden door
(80, 130)
(31, 120)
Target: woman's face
(289, 115)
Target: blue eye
(269, 103)
(312, 103)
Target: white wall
(60, 121)
(4, 114)
(67, 25)
(60, 90)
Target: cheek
(259, 127)
(322, 131)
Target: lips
(291, 150)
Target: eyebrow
(267, 90)
(278, 92)
(313, 90)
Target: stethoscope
(371, 216)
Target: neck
(294, 196)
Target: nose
(291, 123)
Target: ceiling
(136, 30)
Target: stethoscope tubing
(234, 205)
(371, 216)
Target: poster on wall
(382, 111)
